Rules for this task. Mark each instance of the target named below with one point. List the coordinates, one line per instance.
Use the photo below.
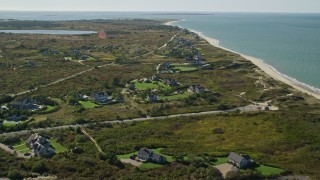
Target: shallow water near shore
(288, 42)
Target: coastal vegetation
(56, 71)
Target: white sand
(264, 67)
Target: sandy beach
(263, 66)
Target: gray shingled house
(24, 104)
(240, 161)
(171, 82)
(196, 89)
(40, 146)
(100, 97)
(152, 98)
(145, 154)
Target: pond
(48, 32)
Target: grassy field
(57, 146)
(88, 104)
(152, 85)
(267, 170)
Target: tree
(116, 81)
(39, 167)
(213, 173)
(14, 174)
(232, 175)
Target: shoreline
(268, 69)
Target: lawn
(220, 160)
(22, 148)
(127, 156)
(57, 146)
(49, 108)
(267, 170)
(88, 104)
(12, 123)
(186, 68)
(176, 96)
(152, 85)
(149, 166)
(9, 123)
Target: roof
(157, 157)
(145, 152)
(235, 157)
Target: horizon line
(160, 11)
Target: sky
(299, 6)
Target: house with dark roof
(82, 97)
(3, 108)
(166, 65)
(152, 98)
(240, 161)
(100, 97)
(171, 82)
(40, 146)
(145, 155)
(196, 62)
(16, 118)
(25, 104)
(155, 78)
(198, 58)
(196, 89)
(130, 87)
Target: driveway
(225, 168)
(132, 162)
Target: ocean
(288, 42)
